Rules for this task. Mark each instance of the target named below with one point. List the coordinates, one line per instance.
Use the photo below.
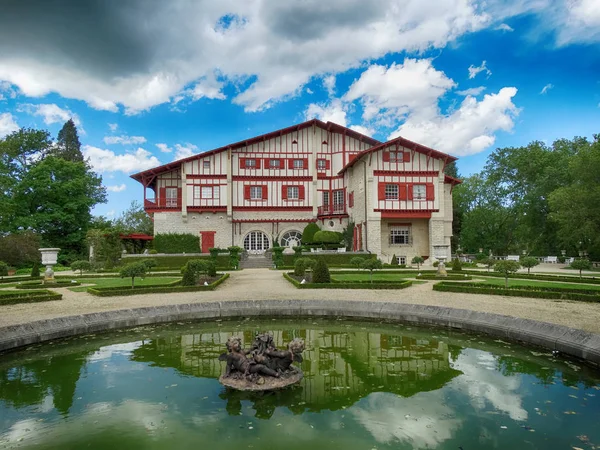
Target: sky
(148, 81)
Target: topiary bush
(418, 261)
(309, 233)
(357, 261)
(581, 264)
(528, 262)
(80, 265)
(150, 264)
(278, 256)
(327, 237)
(133, 270)
(234, 256)
(394, 261)
(436, 263)
(321, 272)
(506, 268)
(371, 265)
(456, 265)
(300, 267)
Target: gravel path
(261, 284)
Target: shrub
(394, 261)
(327, 237)
(278, 256)
(479, 257)
(436, 263)
(418, 261)
(309, 233)
(581, 264)
(528, 262)
(150, 264)
(132, 270)
(488, 262)
(3, 269)
(321, 272)
(234, 256)
(35, 270)
(80, 265)
(176, 243)
(371, 265)
(456, 265)
(297, 251)
(506, 268)
(357, 261)
(562, 259)
(300, 267)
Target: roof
(324, 125)
(451, 180)
(405, 143)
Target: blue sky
(154, 81)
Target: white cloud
(504, 27)
(472, 91)
(468, 130)
(184, 151)
(473, 71)
(164, 148)
(207, 87)
(7, 90)
(111, 213)
(329, 84)
(334, 112)
(575, 21)
(7, 124)
(309, 91)
(363, 130)
(116, 188)
(546, 88)
(108, 161)
(124, 140)
(113, 127)
(51, 112)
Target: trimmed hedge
(40, 285)
(449, 277)
(177, 262)
(520, 291)
(18, 279)
(524, 276)
(350, 285)
(176, 243)
(154, 289)
(14, 297)
(331, 259)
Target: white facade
(252, 192)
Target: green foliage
(506, 268)
(300, 267)
(34, 296)
(581, 264)
(348, 236)
(196, 267)
(357, 261)
(395, 261)
(214, 252)
(456, 265)
(80, 265)
(371, 265)
(35, 270)
(332, 259)
(176, 243)
(297, 252)
(278, 256)
(107, 246)
(320, 272)
(327, 237)
(309, 233)
(156, 289)
(67, 145)
(418, 261)
(153, 251)
(350, 284)
(135, 220)
(488, 262)
(20, 249)
(3, 269)
(150, 264)
(528, 262)
(133, 270)
(436, 263)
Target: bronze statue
(263, 366)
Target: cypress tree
(68, 146)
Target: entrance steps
(256, 262)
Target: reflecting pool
(367, 385)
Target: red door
(208, 240)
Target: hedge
(8, 280)
(449, 277)
(519, 291)
(331, 259)
(156, 289)
(176, 243)
(14, 297)
(40, 285)
(177, 262)
(524, 276)
(350, 285)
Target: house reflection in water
(340, 367)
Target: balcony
(332, 210)
(169, 203)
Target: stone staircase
(256, 262)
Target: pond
(367, 385)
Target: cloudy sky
(151, 81)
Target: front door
(208, 240)
(256, 242)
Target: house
(269, 187)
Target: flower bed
(14, 297)
(399, 284)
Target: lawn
(516, 282)
(115, 282)
(364, 276)
(8, 285)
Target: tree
(81, 265)
(132, 270)
(20, 249)
(357, 261)
(418, 261)
(135, 220)
(3, 269)
(68, 146)
(488, 262)
(506, 268)
(528, 262)
(321, 272)
(581, 264)
(35, 270)
(106, 244)
(309, 232)
(348, 234)
(371, 265)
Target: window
(400, 235)
(293, 193)
(338, 200)
(402, 260)
(419, 192)
(206, 164)
(206, 192)
(250, 163)
(396, 156)
(391, 192)
(256, 192)
(298, 164)
(291, 239)
(274, 164)
(171, 196)
(321, 164)
(326, 199)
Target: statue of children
(238, 361)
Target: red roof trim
(451, 180)
(325, 126)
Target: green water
(367, 386)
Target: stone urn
(440, 252)
(49, 259)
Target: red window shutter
(386, 156)
(290, 163)
(162, 196)
(430, 191)
(257, 163)
(381, 191)
(246, 192)
(242, 163)
(305, 163)
(351, 199)
(406, 156)
(284, 193)
(265, 193)
(267, 163)
(402, 190)
(410, 191)
(327, 164)
(301, 192)
(179, 197)
(282, 163)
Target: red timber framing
(406, 214)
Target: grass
(124, 282)
(8, 285)
(364, 276)
(516, 282)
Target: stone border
(570, 341)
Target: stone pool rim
(570, 341)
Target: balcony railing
(174, 203)
(331, 210)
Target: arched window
(256, 242)
(291, 239)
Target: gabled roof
(404, 143)
(329, 126)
